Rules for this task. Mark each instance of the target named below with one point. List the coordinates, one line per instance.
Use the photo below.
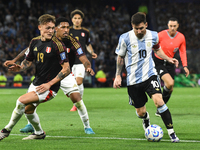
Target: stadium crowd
(18, 25)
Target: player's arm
(162, 55)
(11, 62)
(61, 75)
(118, 79)
(91, 51)
(86, 64)
(183, 55)
(18, 68)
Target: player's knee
(29, 109)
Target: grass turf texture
(113, 120)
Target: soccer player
(52, 65)
(171, 41)
(135, 48)
(83, 36)
(68, 84)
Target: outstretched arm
(86, 64)
(162, 55)
(118, 79)
(17, 68)
(11, 62)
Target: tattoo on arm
(120, 64)
(87, 64)
(25, 64)
(62, 75)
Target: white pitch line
(109, 138)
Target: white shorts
(78, 70)
(43, 97)
(68, 85)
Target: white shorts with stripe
(43, 97)
(78, 70)
(68, 85)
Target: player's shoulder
(85, 29)
(181, 35)
(36, 38)
(58, 43)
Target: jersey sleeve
(182, 52)
(76, 47)
(61, 51)
(121, 47)
(156, 46)
(29, 52)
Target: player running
(171, 41)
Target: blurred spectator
(3, 79)
(17, 80)
(100, 77)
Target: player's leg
(168, 86)
(82, 111)
(79, 73)
(70, 88)
(28, 128)
(22, 101)
(138, 99)
(165, 115)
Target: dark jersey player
(52, 66)
(68, 84)
(83, 36)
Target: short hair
(138, 18)
(46, 18)
(77, 11)
(61, 19)
(173, 19)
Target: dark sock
(166, 94)
(167, 119)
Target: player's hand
(117, 82)
(187, 72)
(94, 55)
(14, 68)
(90, 70)
(173, 61)
(8, 62)
(43, 88)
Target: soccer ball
(154, 133)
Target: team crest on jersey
(83, 34)
(175, 49)
(48, 49)
(149, 44)
(68, 50)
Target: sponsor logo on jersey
(134, 46)
(74, 85)
(80, 51)
(82, 34)
(175, 49)
(62, 56)
(48, 49)
(35, 49)
(68, 50)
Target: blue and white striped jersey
(138, 55)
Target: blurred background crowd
(106, 20)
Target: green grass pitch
(113, 120)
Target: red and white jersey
(170, 45)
